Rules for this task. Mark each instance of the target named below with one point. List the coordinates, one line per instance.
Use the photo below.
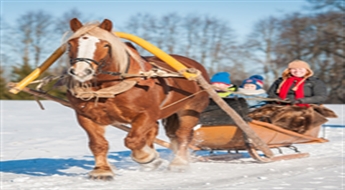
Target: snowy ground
(46, 149)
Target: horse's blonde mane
(119, 49)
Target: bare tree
(145, 26)
(208, 40)
(327, 4)
(30, 37)
(162, 32)
(263, 41)
(316, 38)
(5, 50)
(328, 48)
(61, 25)
(319, 40)
(191, 33)
(25, 25)
(170, 32)
(41, 35)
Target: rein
(100, 65)
(155, 72)
(99, 69)
(183, 99)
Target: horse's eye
(69, 46)
(106, 45)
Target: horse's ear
(106, 25)
(75, 24)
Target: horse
(98, 61)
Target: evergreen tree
(4, 93)
(19, 73)
(51, 88)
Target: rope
(151, 74)
(254, 97)
(183, 99)
(194, 71)
(46, 80)
(161, 68)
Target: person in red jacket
(298, 85)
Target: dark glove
(293, 102)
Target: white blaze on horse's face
(82, 70)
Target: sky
(241, 14)
(46, 149)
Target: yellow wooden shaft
(144, 44)
(39, 70)
(157, 52)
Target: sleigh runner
(242, 135)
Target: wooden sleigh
(230, 137)
(242, 135)
(216, 133)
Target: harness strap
(109, 92)
(166, 90)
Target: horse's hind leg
(179, 128)
(171, 124)
(99, 147)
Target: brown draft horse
(98, 58)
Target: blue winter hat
(257, 83)
(222, 77)
(257, 77)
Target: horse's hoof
(151, 166)
(178, 168)
(104, 175)
(102, 178)
(179, 165)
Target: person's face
(250, 86)
(298, 72)
(220, 85)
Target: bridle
(101, 64)
(87, 60)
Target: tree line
(316, 38)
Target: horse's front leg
(99, 147)
(140, 140)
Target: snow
(46, 149)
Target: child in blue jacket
(252, 90)
(222, 84)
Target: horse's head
(93, 47)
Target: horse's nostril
(71, 71)
(88, 71)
